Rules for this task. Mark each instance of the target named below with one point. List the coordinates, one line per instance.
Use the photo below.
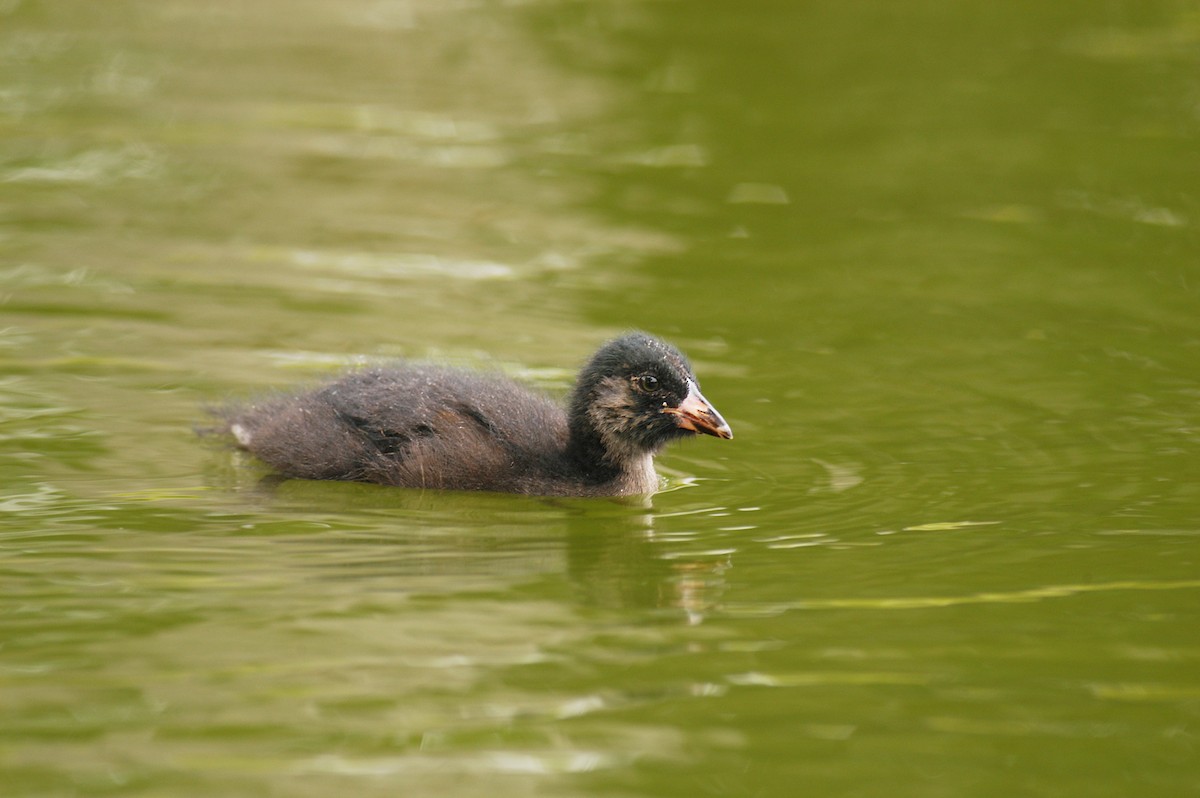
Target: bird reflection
(616, 554)
(620, 562)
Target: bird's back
(415, 426)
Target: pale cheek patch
(611, 404)
(613, 415)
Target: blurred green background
(938, 265)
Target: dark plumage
(432, 427)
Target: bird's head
(637, 394)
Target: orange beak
(696, 414)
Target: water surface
(937, 266)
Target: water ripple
(926, 602)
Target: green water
(938, 264)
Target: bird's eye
(647, 383)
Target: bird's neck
(588, 454)
(599, 462)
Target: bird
(428, 426)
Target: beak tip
(696, 415)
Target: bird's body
(432, 427)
